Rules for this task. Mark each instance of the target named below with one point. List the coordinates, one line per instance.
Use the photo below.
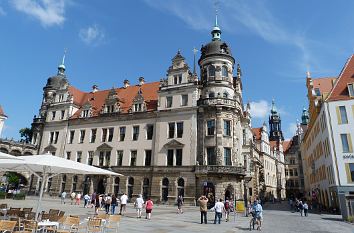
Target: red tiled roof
(325, 85)
(125, 96)
(286, 146)
(2, 112)
(273, 144)
(257, 132)
(340, 90)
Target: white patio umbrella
(7, 156)
(47, 166)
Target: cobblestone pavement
(277, 218)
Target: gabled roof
(257, 132)
(126, 96)
(340, 90)
(2, 112)
(287, 145)
(325, 84)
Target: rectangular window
(61, 97)
(169, 157)
(133, 154)
(184, 100)
(211, 156)
(286, 172)
(349, 167)
(179, 157)
(82, 136)
(53, 115)
(93, 135)
(56, 137)
(108, 158)
(351, 89)
(110, 134)
(104, 134)
(211, 127)
(179, 129)
(227, 156)
(168, 101)
(62, 114)
(291, 172)
(122, 133)
(90, 158)
(51, 137)
(317, 92)
(149, 131)
(244, 138)
(71, 136)
(85, 113)
(346, 143)
(119, 157)
(171, 130)
(101, 159)
(343, 115)
(135, 133)
(68, 155)
(148, 157)
(227, 128)
(79, 156)
(295, 172)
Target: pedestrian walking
(97, 204)
(78, 198)
(301, 208)
(203, 202)
(72, 197)
(227, 209)
(93, 200)
(107, 201)
(306, 208)
(219, 209)
(113, 204)
(86, 200)
(123, 203)
(179, 204)
(148, 207)
(139, 204)
(62, 197)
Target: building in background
(328, 157)
(180, 136)
(3, 117)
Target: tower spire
(216, 32)
(194, 54)
(61, 67)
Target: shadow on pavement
(334, 219)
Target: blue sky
(275, 42)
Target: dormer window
(138, 107)
(85, 113)
(177, 79)
(109, 108)
(224, 72)
(211, 70)
(351, 89)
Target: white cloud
(260, 109)
(48, 12)
(292, 129)
(92, 35)
(2, 11)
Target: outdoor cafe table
(44, 224)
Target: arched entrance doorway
(63, 183)
(87, 183)
(229, 192)
(164, 189)
(146, 184)
(116, 185)
(101, 186)
(130, 187)
(209, 192)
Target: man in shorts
(123, 203)
(138, 204)
(258, 213)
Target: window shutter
(349, 138)
(347, 169)
(338, 116)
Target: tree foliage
(26, 134)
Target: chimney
(141, 81)
(94, 88)
(126, 83)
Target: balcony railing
(220, 170)
(217, 101)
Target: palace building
(183, 135)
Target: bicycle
(254, 220)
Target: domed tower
(275, 132)
(220, 112)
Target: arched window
(146, 184)
(4, 150)
(226, 95)
(211, 70)
(165, 184)
(211, 95)
(130, 187)
(49, 183)
(224, 72)
(180, 187)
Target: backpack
(227, 205)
